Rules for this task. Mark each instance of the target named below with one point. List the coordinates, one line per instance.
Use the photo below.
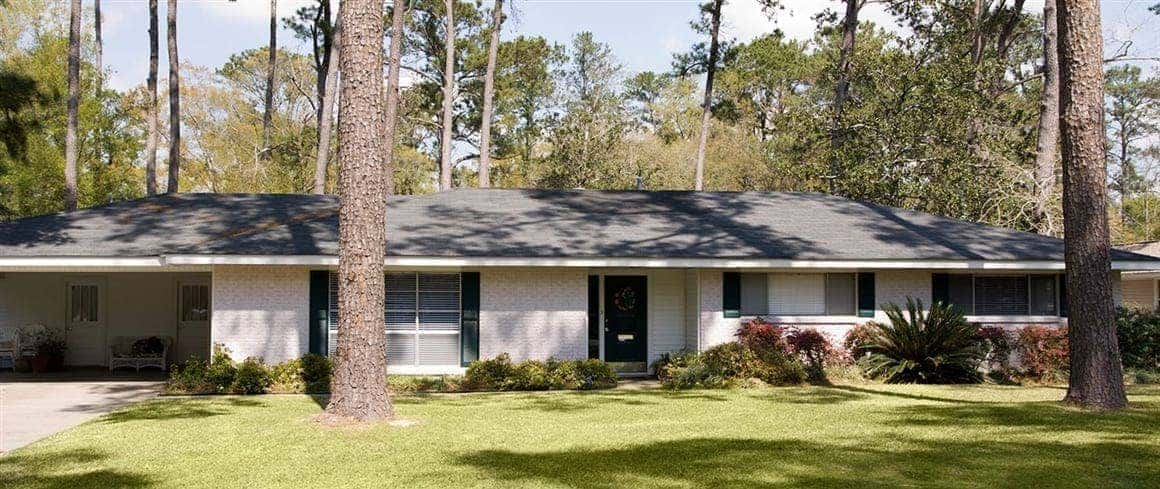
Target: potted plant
(50, 348)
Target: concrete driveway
(31, 409)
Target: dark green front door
(625, 318)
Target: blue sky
(642, 33)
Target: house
(1142, 287)
(622, 276)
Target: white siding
(1139, 294)
(261, 311)
(692, 309)
(715, 327)
(666, 315)
(533, 313)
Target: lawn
(844, 436)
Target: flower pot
(39, 363)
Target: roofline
(202, 261)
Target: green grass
(845, 436)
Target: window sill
(1015, 319)
(812, 319)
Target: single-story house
(1142, 287)
(623, 276)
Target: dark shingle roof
(531, 223)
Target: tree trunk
(448, 98)
(842, 89)
(151, 131)
(398, 16)
(1047, 143)
(174, 98)
(74, 95)
(707, 103)
(100, 43)
(326, 119)
(271, 65)
(359, 387)
(1096, 379)
(488, 94)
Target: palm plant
(935, 347)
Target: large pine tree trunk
(1096, 379)
(488, 94)
(1047, 143)
(359, 386)
(271, 65)
(448, 98)
(152, 125)
(326, 116)
(391, 113)
(74, 95)
(707, 103)
(100, 43)
(174, 98)
(842, 89)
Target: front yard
(844, 436)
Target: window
(999, 295)
(83, 303)
(798, 294)
(194, 303)
(422, 318)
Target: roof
(531, 223)
(1149, 248)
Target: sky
(643, 34)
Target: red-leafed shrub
(813, 348)
(997, 345)
(857, 339)
(1042, 351)
(760, 335)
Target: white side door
(193, 302)
(85, 332)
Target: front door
(192, 321)
(85, 322)
(625, 321)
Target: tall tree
(326, 117)
(488, 94)
(1047, 140)
(713, 10)
(74, 96)
(1133, 107)
(1096, 377)
(448, 118)
(391, 114)
(100, 43)
(174, 98)
(151, 102)
(359, 386)
(268, 114)
(842, 88)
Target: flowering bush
(1042, 352)
(857, 339)
(760, 335)
(812, 348)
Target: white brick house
(620, 276)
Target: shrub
(251, 377)
(417, 384)
(286, 377)
(812, 348)
(500, 374)
(221, 371)
(583, 374)
(731, 364)
(760, 335)
(857, 338)
(1043, 352)
(777, 368)
(731, 360)
(190, 377)
(316, 370)
(1139, 335)
(668, 361)
(531, 375)
(489, 374)
(938, 346)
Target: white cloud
(746, 20)
(250, 9)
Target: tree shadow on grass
(181, 408)
(559, 401)
(751, 463)
(79, 468)
(1140, 422)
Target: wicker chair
(122, 354)
(9, 346)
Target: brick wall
(533, 313)
(261, 311)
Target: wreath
(625, 299)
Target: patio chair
(138, 352)
(9, 347)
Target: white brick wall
(533, 313)
(1139, 294)
(261, 311)
(715, 327)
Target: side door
(85, 332)
(193, 315)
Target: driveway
(33, 409)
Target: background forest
(944, 119)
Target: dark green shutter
(594, 316)
(731, 294)
(1063, 295)
(469, 323)
(940, 288)
(866, 299)
(319, 310)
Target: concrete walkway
(33, 409)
